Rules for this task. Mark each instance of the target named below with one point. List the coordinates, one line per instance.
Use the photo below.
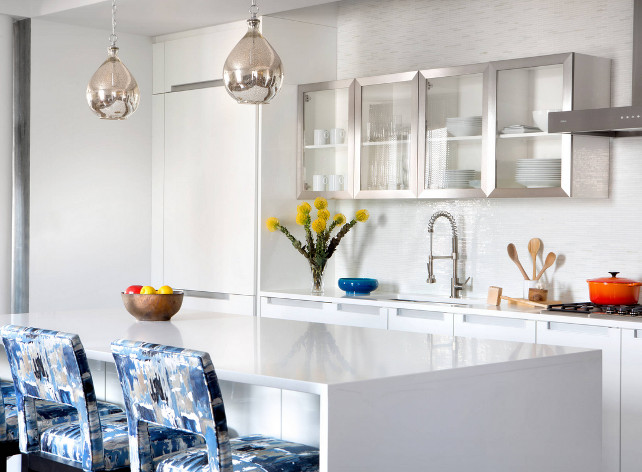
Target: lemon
(147, 290)
(165, 290)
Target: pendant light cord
(112, 37)
(254, 10)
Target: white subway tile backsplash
(590, 237)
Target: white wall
(90, 178)
(592, 237)
(6, 158)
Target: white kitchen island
(390, 400)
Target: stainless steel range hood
(618, 121)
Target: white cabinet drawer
(347, 314)
(494, 327)
(420, 321)
(220, 302)
(608, 340)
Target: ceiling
(156, 17)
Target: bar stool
(178, 388)
(52, 366)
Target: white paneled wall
(90, 178)
(590, 236)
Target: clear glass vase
(317, 280)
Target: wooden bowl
(153, 307)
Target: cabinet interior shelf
(384, 143)
(541, 134)
(457, 138)
(326, 146)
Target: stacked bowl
(539, 173)
(464, 126)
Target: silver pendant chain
(112, 37)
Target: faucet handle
(460, 285)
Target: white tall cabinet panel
(608, 340)
(631, 398)
(209, 192)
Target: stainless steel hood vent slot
(617, 121)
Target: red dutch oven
(614, 290)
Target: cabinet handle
(577, 328)
(494, 321)
(637, 333)
(213, 295)
(363, 309)
(426, 315)
(295, 303)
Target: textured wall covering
(591, 236)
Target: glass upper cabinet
(326, 140)
(386, 110)
(452, 106)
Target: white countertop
(464, 306)
(293, 355)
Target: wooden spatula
(512, 253)
(533, 248)
(550, 260)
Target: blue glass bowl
(358, 286)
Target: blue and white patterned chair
(52, 366)
(178, 388)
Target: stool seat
(249, 454)
(65, 441)
(50, 414)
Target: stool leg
(3, 463)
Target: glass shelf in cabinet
(476, 137)
(384, 143)
(541, 134)
(326, 146)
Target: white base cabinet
(631, 400)
(420, 321)
(608, 340)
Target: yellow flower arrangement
(320, 203)
(340, 219)
(325, 214)
(272, 224)
(320, 244)
(304, 208)
(362, 215)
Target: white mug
(337, 136)
(319, 182)
(321, 137)
(335, 183)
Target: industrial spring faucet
(455, 285)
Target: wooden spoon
(533, 248)
(512, 253)
(550, 260)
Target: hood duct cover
(617, 121)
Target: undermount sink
(402, 297)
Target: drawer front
(420, 321)
(346, 314)
(494, 327)
(220, 302)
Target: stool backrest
(175, 388)
(52, 365)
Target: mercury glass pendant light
(253, 72)
(112, 92)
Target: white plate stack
(464, 126)
(539, 173)
(459, 178)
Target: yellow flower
(340, 219)
(301, 218)
(272, 223)
(320, 203)
(304, 208)
(325, 214)
(318, 225)
(362, 215)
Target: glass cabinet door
(386, 132)
(326, 137)
(529, 160)
(452, 111)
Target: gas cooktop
(621, 310)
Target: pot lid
(614, 279)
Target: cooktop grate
(622, 310)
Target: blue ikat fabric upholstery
(178, 388)
(50, 369)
